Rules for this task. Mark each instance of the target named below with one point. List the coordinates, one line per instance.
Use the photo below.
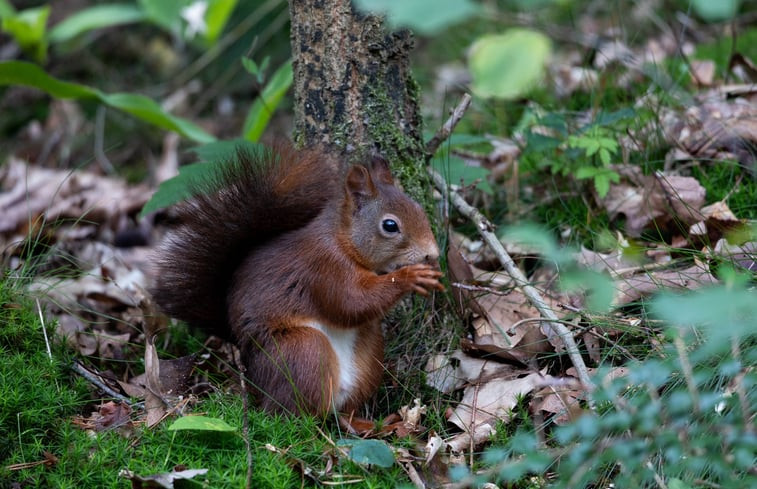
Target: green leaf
(6, 9)
(609, 143)
(715, 11)
(250, 65)
(539, 142)
(587, 172)
(200, 423)
(144, 108)
(711, 308)
(191, 177)
(602, 177)
(508, 65)
(604, 156)
(592, 146)
(31, 75)
(369, 452)
(538, 237)
(459, 140)
(423, 16)
(179, 187)
(608, 118)
(28, 28)
(223, 151)
(262, 110)
(149, 111)
(458, 472)
(456, 171)
(165, 13)
(96, 17)
(602, 185)
(216, 17)
(674, 483)
(258, 71)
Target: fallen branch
(445, 131)
(485, 228)
(95, 380)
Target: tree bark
(353, 90)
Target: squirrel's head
(388, 229)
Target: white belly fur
(342, 341)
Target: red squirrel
(297, 260)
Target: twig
(44, 331)
(479, 288)
(413, 475)
(484, 228)
(746, 411)
(688, 372)
(444, 132)
(94, 379)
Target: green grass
(39, 398)
(720, 51)
(727, 180)
(37, 392)
(96, 460)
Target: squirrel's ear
(359, 183)
(380, 170)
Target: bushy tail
(250, 201)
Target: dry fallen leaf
(656, 200)
(109, 416)
(744, 256)
(441, 373)
(499, 326)
(462, 442)
(702, 72)
(718, 221)
(491, 352)
(447, 373)
(593, 347)
(410, 421)
(174, 374)
(715, 128)
(62, 195)
(612, 262)
(493, 400)
(504, 326)
(460, 272)
(110, 346)
(167, 480)
(563, 404)
(633, 288)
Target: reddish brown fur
(336, 270)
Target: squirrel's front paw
(419, 278)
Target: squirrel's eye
(390, 226)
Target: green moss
(95, 461)
(37, 392)
(403, 148)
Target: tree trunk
(353, 90)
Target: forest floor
(622, 186)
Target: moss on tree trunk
(353, 90)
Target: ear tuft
(359, 183)
(380, 170)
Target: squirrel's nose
(432, 254)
